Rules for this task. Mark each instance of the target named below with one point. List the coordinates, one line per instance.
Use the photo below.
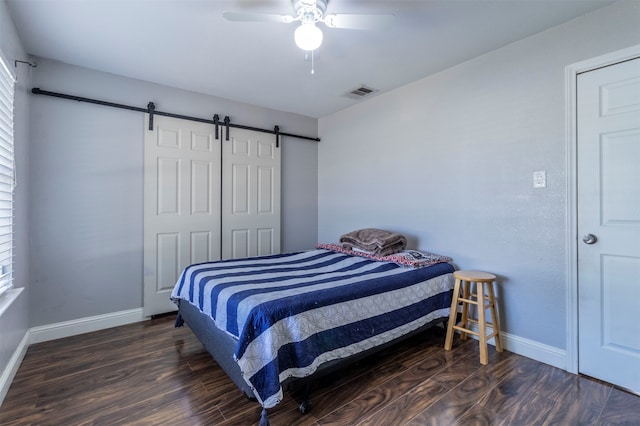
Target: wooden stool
(465, 279)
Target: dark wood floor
(153, 374)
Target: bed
(272, 319)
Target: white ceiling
(187, 44)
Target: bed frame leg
(305, 404)
(179, 321)
(304, 407)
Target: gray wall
(448, 160)
(86, 167)
(14, 321)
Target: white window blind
(7, 174)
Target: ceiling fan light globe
(308, 37)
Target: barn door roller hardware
(151, 110)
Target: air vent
(360, 92)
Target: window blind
(7, 174)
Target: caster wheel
(304, 407)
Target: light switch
(540, 179)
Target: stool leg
(494, 318)
(482, 324)
(466, 285)
(448, 343)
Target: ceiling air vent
(360, 92)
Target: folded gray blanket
(374, 241)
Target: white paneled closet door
(182, 204)
(608, 172)
(250, 194)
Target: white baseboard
(546, 354)
(531, 349)
(60, 330)
(12, 368)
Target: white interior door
(181, 204)
(250, 194)
(609, 223)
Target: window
(7, 174)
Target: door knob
(589, 239)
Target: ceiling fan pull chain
(313, 71)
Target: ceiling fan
(308, 35)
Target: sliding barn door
(250, 194)
(181, 204)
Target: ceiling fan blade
(256, 17)
(359, 21)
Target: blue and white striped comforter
(293, 312)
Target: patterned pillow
(412, 258)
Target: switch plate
(540, 179)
